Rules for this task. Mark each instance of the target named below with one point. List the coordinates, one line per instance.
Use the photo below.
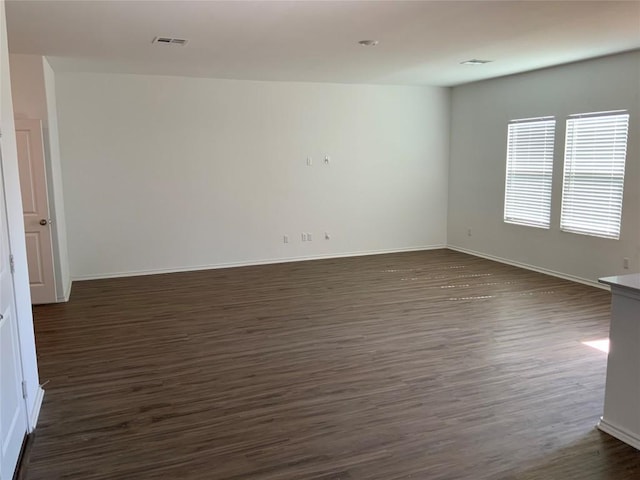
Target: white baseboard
(34, 412)
(620, 433)
(137, 273)
(546, 271)
(67, 293)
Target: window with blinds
(594, 161)
(527, 199)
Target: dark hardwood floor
(427, 365)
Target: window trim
(567, 220)
(546, 174)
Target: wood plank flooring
(428, 365)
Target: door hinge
(12, 264)
(24, 389)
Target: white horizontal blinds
(594, 159)
(529, 171)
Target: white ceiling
(421, 42)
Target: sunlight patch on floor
(602, 345)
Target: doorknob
(44, 221)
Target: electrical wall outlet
(304, 237)
(309, 237)
(625, 263)
(285, 239)
(468, 232)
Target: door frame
(15, 229)
(15, 326)
(33, 394)
(13, 284)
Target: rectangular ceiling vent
(169, 40)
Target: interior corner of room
(139, 186)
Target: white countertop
(631, 281)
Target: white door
(13, 416)
(35, 205)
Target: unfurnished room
(319, 240)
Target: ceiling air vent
(169, 40)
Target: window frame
(590, 187)
(515, 167)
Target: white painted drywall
(27, 87)
(33, 90)
(480, 113)
(171, 173)
(16, 230)
(56, 192)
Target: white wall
(170, 173)
(27, 87)
(16, 230)
(33, 90)
(54, 173)
(480, 113)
